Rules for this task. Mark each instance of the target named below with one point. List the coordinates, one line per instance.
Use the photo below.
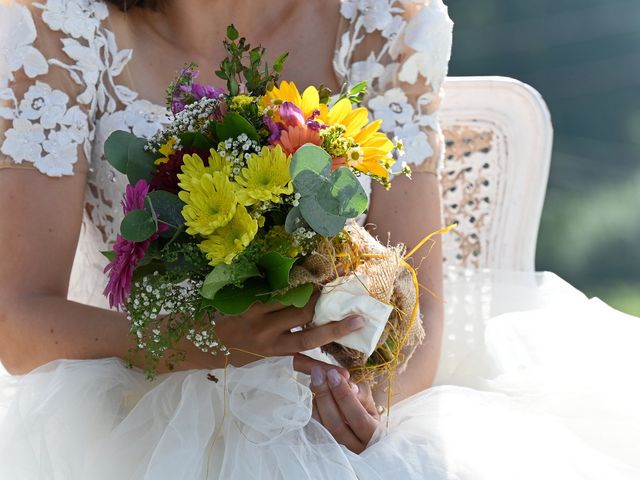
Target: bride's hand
(265, 331)
(347, 410)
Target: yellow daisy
(210, 203)
(266, 177)
(232, 239)
(193, 168)
(374, 147)
(308, 102)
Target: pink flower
(128, 253)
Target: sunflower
(265, 177)
(210, 203)
(232, 239)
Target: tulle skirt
(535, 382)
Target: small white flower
(43, 103)
(368, 69)
(23, 141)
(62, 154)
(392, 108)
(416, 145)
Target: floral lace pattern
(405, 69)
(49, 126)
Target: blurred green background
(583, 56)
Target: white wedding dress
(535, 381)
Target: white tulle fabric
(535, 381)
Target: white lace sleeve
(402, 48)
(47, 84)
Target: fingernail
(354, 388)
(355, 323)
(317, 376)
(334, 378)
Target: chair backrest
(498, 150)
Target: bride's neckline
(132, 53)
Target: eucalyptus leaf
(138, 226)
(141, 164)
(294, 297)
(167, 208)
(310, 157)
(116, 149)
(321, 221)
(223, 275)
(348, 191)
(276, 268)
(294, 220)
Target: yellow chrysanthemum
(232, 239)
(193, 169)
(166, 150)
(265, 177)
(374, 147)
(308, 102)
(239, 102)
(210, 204)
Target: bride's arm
(407, 213)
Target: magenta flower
(291, 115)
(128, 253)
(274, 129)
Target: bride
(551, 392)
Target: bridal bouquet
(247, 196)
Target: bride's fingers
(319, 336)
(362, 424)
(329, 412)
(284, 319)
(304, 364)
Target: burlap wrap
(389, 281)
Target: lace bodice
(61, 93)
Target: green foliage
(235, 300)
(233, 126)
(294, 297)
(166, 208)
(246, 65)
(354, 94)
(223, 275)
(276, 268)
(328, 199)
(138, 226)
(127, 154)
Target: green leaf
(201, 142)
(110, 254)
(116, 149)
(167, 207)
(233, 126)
(141, 162)
(310, 157)
(233, 300)
(348, 191)
(232, 32)
(138, 226)
(321, 221)
(224, 275)
(294, 297)
(294, 220)
(276, 267)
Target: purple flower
(291, 115)
(186, 91)
(128, 253)
(274, 128)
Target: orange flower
(292, 138)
